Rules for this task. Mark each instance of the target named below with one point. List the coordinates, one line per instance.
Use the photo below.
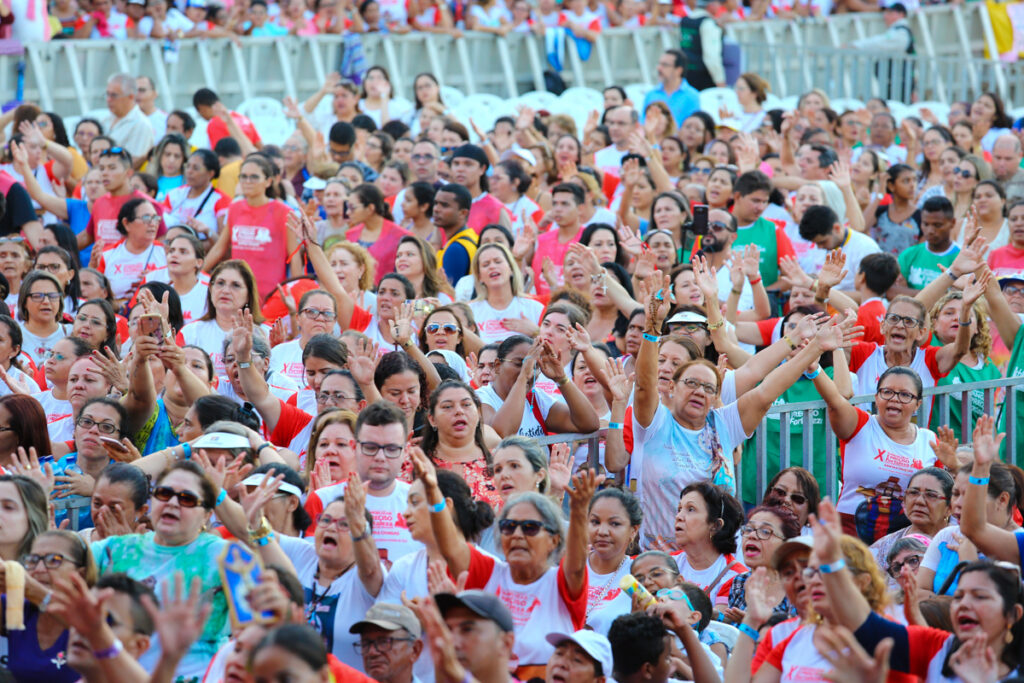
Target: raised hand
(439, 638)
(74, 603)
(180, 618)
(439, 582)
(619, 384)
(747, 152)
(73, 484)
(705, 275)
(763, 592)
(794, 274)
(586, 257)
(27, 465)
(945, 446)
(363, 361)
(975, 290)
(975, 661)
(560, 467)
(839, 173)
(584, 485)
(808, 327)
(124, 452)
(241, 334)
(110, 368)
(630, 172)
(355, 504)
(850, 662)
(986, 441)
(659, 301)
(832, 272)
(579, 338)
(827, 532)
(422, 468)
(402, 326)
(113, 521)
(751, 262)
(549, 361)
(291, 108)
(20, 156)
(254, 501)
(630, 241)
(526, 240)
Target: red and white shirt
(390, 532)
(489, 319)
(870, 316)
(867, 361)
(588, 20)
(776, 634)
(124, 269)
(286, 359)
(718, 591)
(55, 408)
(798, 659)
(871, 461)
(103, 216)
(207, 208)
(538, 609)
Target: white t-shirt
(193, 302)
(19, 376)
(530, 425)
(856, 246)
(675, 457)
(209, 208)
(331, 610)
(873, 463)
(62, 429)
(488, 318)
(55, 408)
(602, 215)
(286, 359)
(123, 268)
(801, 661)
(207, 335)
(36, 347)
(602, 589)
(609, 160)
(871, 368)
(279, 385)
(390, 532)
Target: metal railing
(787, 413)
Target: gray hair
(901, 544)
(549, 513)
(260, 345)
(534, 453)
(668, 560)
(126, 81)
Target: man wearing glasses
(423, 164)
(380, 452)
(389, 641)
(127, 125)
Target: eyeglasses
(888, 394)
(88, 423)
(930, 496)
(896, 568)
(719, 225)
(332, 397)
(530, 527)
(49, 560)
(18, 238)
(370, 449)
(51, 267)
(314, 313)
(150, 219)
(39, 297)
(675, 594)
(326, 521)
(422, 157)
(116, 152)
(694, 384)
(906, 320)
(763, 533)
(115, 95)
(515, 362)
(1012, 290)
(702, 171)
(81, 318)
(963, 172)
(59, 357)
(448, 328)
(186, 499)
(382, 645)
(797, 498)
(656, 573)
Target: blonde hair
(981, 341)
(363, 257)
(324, 420)
(517, 275)
(859, 560)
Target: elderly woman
(316, 314)
(925, 504)
(767, 528)
(42, 644)
(541, 597)
(183, 498)
(689, 441)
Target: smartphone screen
(700, 219)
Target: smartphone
(344, 209)
(153, 325)
(700, 219)
(114, 443)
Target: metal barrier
(69, 76)
(788, 413)
(72, 504)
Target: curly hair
(859, 560)
(981, 341)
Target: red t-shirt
(549, 246)
(259, 237)
(383, 250)
(486, 209)
(103, 217)
(217, 129)
(869, 316)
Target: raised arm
(841, 415)
(332, 81)
(574, 565)
(707, 282)
(630, 177)
(506, 420)
(1007, 322)
(140, 401)
(49, 202)
(764, 361)
(645, 398)
(253, 383)
(302, 227)
(969, 260)
(993, 541)
(616, 457)
(367, 558)
(450, 542)
(839, 173)
(577, 414)
(850, 607)
(948, 356)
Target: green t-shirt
(139, 556)
(1015, 368)
(920, 266)
(762, 233)
(962, 374)
(802, 390)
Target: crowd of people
(340, 355)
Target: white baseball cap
(593, 643)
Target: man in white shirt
(145, 97)
(821, 225)
(127, 125)
(621, 121)
(883, 139)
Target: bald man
(1007, 153)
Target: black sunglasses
(186, 499)
(530, 527)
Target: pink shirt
(259, 237)
(384, 248)
(1006, 260)
(549, 246)
(486, 209)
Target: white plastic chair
(636, 93)
(940, 109)
(452, 96)
(539, 99)
(589, 97)
(772, 101)
(260, 107)
(273, 130)
(714, 98)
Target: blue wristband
(614, 425)
(749, 632)
(265, 540)
(221, 497)
(439, 507)
(652, 337)
(980, 481)
(186, 448)
(813, 374)
(836, 566)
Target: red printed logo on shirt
(521, 605)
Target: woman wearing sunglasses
(442, 330)
(541, 597)
(926, 504)
(902, 564)
(796, 489)
(967, 173)
(177, 549)
(126, 263)
(38, 652)
(41, 314)
(987, 642)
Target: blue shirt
(69, 465)
(682, 102)
(78, 219)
